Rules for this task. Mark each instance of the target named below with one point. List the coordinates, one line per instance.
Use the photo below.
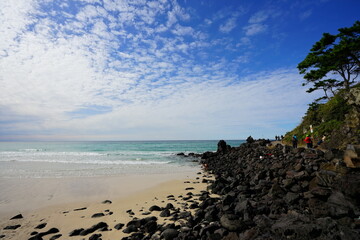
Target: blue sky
(161, 69)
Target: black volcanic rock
(231, 222)
(258, 185)
(266, 192)
(222, 147)
(154, 208)
(165, 213)
(12, 227)
(40, 226)
(76, 232)
(102, 226)
(42, 234)
(119, 226)
(96, 215)
(169, 234)
(19, 216)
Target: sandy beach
(67, 204)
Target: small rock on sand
(107, 202)
(80, 209)
(119, 226)
(155, 208)
(40, 226)
(19, 216)
(96, 215)
(76, 232)
(55, 236)
(12, 227)
(95, 237)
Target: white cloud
(228, 26)
(208, 21)
(87, 13)
(257, 23)
(259, 17)
(14, 18)
(243, 42)
(254, 29)
(145, 82)
(182, 30)
(171, 19)
(177, 12)
(188, 110)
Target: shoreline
(26, 194)
(68, 209)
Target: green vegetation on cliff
(339, 118)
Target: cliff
(338, 120)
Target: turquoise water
(63, 159)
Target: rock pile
(268, 193)
(281, 193)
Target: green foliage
(336, 54)
(335, 109)
(325, 118)
(327, 128)
(332, 54)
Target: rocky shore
(255, 191)
(268, 192)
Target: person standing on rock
(294, 141)
(308, 141)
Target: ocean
(74, 159)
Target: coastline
(24, 194)
(256, 191)
(57, 201)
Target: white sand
(53, 201)
(18, 195)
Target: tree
(333, 54)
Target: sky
(159, 69)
